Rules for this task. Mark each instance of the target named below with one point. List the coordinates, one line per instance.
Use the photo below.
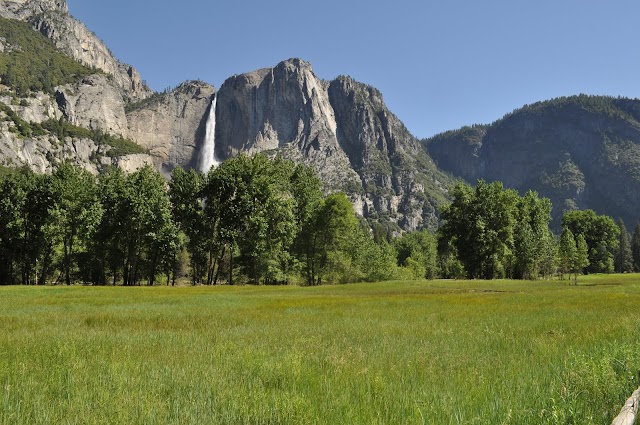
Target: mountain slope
(581, 152)
(41, 83)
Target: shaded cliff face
(581, 152)
(172, 125)
(399, 180)
(343, 130)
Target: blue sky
(439, 64)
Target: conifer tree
(635, 248)
(566, 251)
(624, 258)
(581, 259)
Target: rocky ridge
(342, 129)
(112, 101)
(580, 151)
(52, 19)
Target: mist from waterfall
(208, 154)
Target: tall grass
(441, 352)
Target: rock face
(287, 108)
(42, 153)
(342, 129)
(171, 125)
(398, 178)
(581, 152)
(24, 9)
(52, 19)
(93, 103)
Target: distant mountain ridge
(580, 151)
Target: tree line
(251, 220)
(490, 232)
(267, 221)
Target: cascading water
(208, 154)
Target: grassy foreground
(440, 352)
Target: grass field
(438, 352)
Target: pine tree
(581, 259)
(624, 258)
(566, 251)
(635, 248)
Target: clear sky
(439, 64)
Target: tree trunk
(215, 280)
(231, 266)
(67, 274)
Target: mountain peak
(295, 63)
(24, 9)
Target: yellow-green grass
(438, 352)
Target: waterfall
(208, 154)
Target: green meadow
(423, 352)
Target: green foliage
(32, 63)
(150, 233)
(567, 251)
(141, 104)
(185, 192)
(581, 260)
(480, 223)
(113, 145)
(75, 211)
(495, 233)
(573, 254)
(624, 256)
(549, 257)
(20, 126)
(117, 146)
(377, 261)
(417, 251)
(532, 238)
(266, 221)
(567, 178)
(26, 228)
(249, 208)
(601, 235)
(334, 226)
(111, 237)
(66, 223)
(635, 248)
(613, 107)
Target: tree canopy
(495, 232)
(601, 235)
(267, 221)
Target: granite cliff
(52, 19)
(171, 125)
(341, 128)
(106, 96)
